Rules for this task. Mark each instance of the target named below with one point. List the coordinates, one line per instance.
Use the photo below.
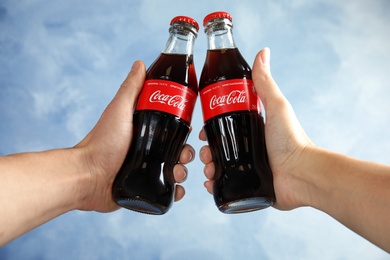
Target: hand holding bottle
(285, 137)
(354, 192)
(106, 145)
(53, 182)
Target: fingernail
(266, 56)
(185, 174)
(192, 152)
(135, 66)
(201, 152)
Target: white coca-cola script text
(174, 101)
(234, 97)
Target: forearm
(354, 192)
(36, 187)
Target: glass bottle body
(161, 125)
(243, 179)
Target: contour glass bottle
(162, 119)
(233, 123)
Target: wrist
(306, 175)
(296, 179)
(81, 180)
(318, 176)
(94, 187)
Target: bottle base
(141, 205)
(246, 205)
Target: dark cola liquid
(243, 179)
(145, 182)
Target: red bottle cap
(216, 15)
(185, 19)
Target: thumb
(132, 85)
(265, 85)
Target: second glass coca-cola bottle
(161, 120)
(233, 123)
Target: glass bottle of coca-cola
(233, 123)
(161, 124)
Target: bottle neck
(219, 34)
(181, 39)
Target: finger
(180, 173)
(209, 171)
(205, 154)
(265, 85)
(132, 85)
(179, 192)
(202, 135)
(209, 186)
(187, 154)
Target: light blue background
(61, 62)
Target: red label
(229, 96)
(167, 96)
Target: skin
(354, 192)
(37, 187)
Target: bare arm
(37, 187)
(354, 192)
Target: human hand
(104, 148)
(285, 138)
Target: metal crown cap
(217, 15)
(185, 19)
